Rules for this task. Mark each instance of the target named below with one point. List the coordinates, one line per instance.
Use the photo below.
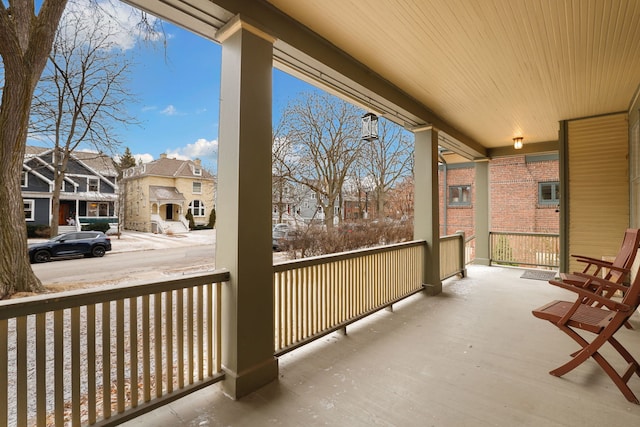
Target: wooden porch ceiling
(484, 72)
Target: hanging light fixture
(517, 142)
(369, 127)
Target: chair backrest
(627, 253)
(632, 294)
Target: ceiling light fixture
(517, 142)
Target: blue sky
(178, 89)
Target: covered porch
(472, 355)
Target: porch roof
(473, 355)
(165, 194)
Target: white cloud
(170, 110)
(149, 108)
(145, 157)
(124, 25)
(201, 149)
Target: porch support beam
(426, 205)
(244, 208)
(482, 218)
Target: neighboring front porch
(472, 355)
(167, 210)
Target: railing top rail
(76, 298)
(322, 259)
(450, 237)
(512, 233)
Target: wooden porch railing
(104, 356)
(452, 256)
(320, 295)
(525, 249)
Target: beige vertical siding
(598, 153)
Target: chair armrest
(584, 258)
(598, 262)
(588, 279)
(584, 292)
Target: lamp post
(369, 133)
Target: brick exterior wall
(458, 217)
(513, 196)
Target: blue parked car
(87, 243)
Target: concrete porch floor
(472, 356)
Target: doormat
(545, 275)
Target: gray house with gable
(89, 193)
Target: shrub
(314, 241)
(189, 217)
(212, 218)
(97, 226)
(38, 231)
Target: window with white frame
(197, 187)
(24, 180)
(97, 209)
(93, 184)
(29, 211)
(197, 171)
(197, 208)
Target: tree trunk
(380, 196)
(16, 274)
(60, 166)
(25, 43)
(328, 216)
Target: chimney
(163, 155)
(197, 162)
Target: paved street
(135, 257)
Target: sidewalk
(139, 241)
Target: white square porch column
(244, 208)
(426, 223)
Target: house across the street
(158, 195)
(88, 194)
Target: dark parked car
(87, 243)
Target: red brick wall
(513, 197)
(459, 218)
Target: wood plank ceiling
(493, 68)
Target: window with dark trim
(197, 208)
(548, 193)
(459, 195)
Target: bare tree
(386, 160)
(400, 198)
(26, 36)
(27, 32)
(82, 94)
(325, 132)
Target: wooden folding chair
(617, 270)
(603, 321)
